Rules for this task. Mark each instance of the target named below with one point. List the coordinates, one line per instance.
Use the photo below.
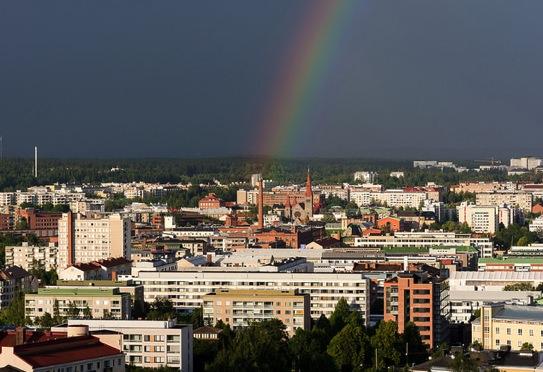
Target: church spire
(308, 188)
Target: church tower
(308, 195)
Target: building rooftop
(253, 293)
(512, 260)
(63, 351)
(497, 275)
(76, 291)
(524, 313)
(93, 283)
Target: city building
(211, 201)
(240, 308)
(537, 225)
(83, 239)
(108, 269)
(427, 239)
(365, 177)
(101, 302)
(481, 219)
(492, 280)
(508, 325)
(511, 263)
(38, 220)
(147, 343)
(15, 281)
(527, 162)
(419, 297)
(30, 257)
(75, 353)
(519, 199)
(186, 289)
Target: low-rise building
(63, 354)
(240, 308)
(101, 302)
(15, 281)
(509, 325)
(148, 343)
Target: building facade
(85, 239)
(240, 308)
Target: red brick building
(389, 224)
(416, 297)
(38, 220)
(211, 201)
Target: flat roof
(512, 260)
(253, 293)
(524, 313)
(76, 292)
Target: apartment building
(31, 257)
(508, 325)
(240, 308)
(480, 187)
(527, 162)
(146, 343)
(390, 198)
(39, 220)
(492, 280)
(427, 239)
(102, 302)
(83, 239)
(186, 289)
(419, 297)
(522, 200)
(364, 176)
(481, 219)
(15, 281)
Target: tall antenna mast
(36, 161)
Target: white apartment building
(486, 219)
(537, 225)
(426, 239)
(84, 239)
(528, 162)
(186, 289)
(492, 280)
(190, 232)
(31, 257)
(147, 343)
(391, 198)
(366, 177)
(522, 200)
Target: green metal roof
(86, 292)
(513, 260)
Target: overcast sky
(408, 79)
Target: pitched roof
(13, 272)
(63, 351)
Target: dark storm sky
(408, 79)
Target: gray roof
(525, 313)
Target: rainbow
(302, 72)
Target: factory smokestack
(260, 203)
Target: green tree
(161, 309)
(463, 363)
(416, 349)
(351, 348)
(87, 313)
(308, 349)
(527, 347)
(14, 313)
(521, 286)
(73, 311)
(262, 346)
(45, 321)
(339, 317)
(386, 342)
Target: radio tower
(36, 161)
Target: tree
(262, 346)
(417, 351)
(463, 363)
(351, 348)
(527, 347)
(523, 241)
(521, 286)
(386, 341)
(308, 349)
(73, 311)
(339, 317)
(45, 321)
(161, 309)
(87, 313)
(14, 313)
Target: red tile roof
(64, 351)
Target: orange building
(211, 201)
(389, 224)
(417, 297)
(39, 220)
(537, 208)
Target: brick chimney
(260, 204)
(20, 335)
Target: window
(519, 331)
(497, 330)
(531, 332)
(508, 331)
(497, 342)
